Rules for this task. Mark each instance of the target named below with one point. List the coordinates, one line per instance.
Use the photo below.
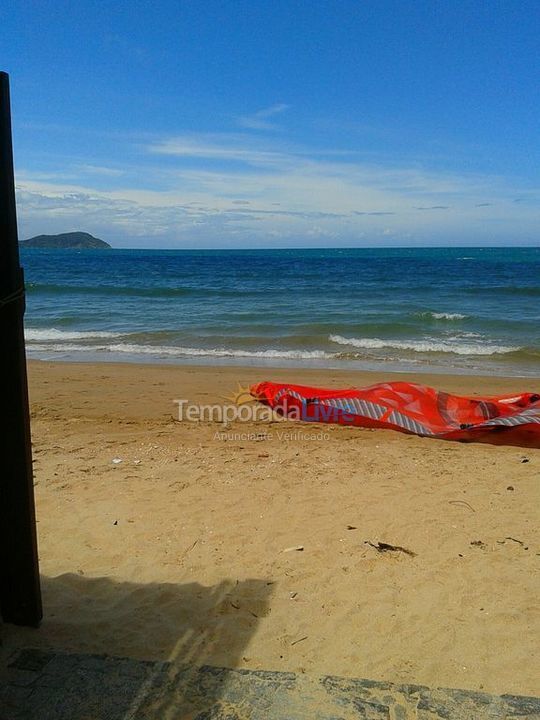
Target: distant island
(72, 240)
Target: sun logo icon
(240, 396)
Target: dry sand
(177, 551)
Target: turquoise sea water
(459, 309)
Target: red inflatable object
(411, 408)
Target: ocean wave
(153, 293)
(52, 334)
(172, 351)
(442, 315)
(425, 346)
(218, 352)
(58, 341)
(494, 290)
(101, 290)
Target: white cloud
(88, 168)
(260, 120)
(222, 189)
(229, 148)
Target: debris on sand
(478, 543)
(461, 502)
(519, 542)
(383, 547)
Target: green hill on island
(75, 240)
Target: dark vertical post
(20, 595)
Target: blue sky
(273, 124)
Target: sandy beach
(172, 539)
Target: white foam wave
(217, 352)
(443, 315)
(171, 351)
(424, 346)
(54, 341)
(52, 335)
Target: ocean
(462, 310)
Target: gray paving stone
(55, 686)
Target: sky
(272, 123)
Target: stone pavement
(38, 685)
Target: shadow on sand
(101, 637)
(164, 632)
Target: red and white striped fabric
(412, 408)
